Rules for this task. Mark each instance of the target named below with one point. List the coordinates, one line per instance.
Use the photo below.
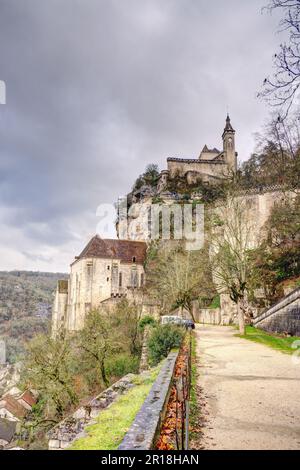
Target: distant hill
(26, 299)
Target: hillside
(25, 307)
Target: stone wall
(71, 428)
(182, 166)
(92, 281)
(283, 317)
(210, 316)
(143, 431)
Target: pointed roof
(124, 250)
(228, 126)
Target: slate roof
(228, 126)
(207, 150)
(124, 250)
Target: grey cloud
(96, 89)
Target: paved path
(252, 393)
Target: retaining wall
(283, 317)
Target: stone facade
(211, 165)
(105, 270)
(283, 317)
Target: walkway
(252, 393)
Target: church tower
(229, 146)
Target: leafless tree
(231, 241)
(177, 277)
(283, 88)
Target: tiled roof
(124, 250)
(28, 398)
(13, 406)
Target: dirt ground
(251, 393)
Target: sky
(98, 89)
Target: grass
(113, 423)
(280, 343)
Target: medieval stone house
(106, 269)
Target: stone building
(211, 165)
(105, 270)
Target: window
(142, 279)
(108, 268)
(107, 279)
(120, 279)
(134, 278)
(134, 259)
(89, 268)
(115, 275)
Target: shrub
(122, 364)
(147, 320)
(162, 340)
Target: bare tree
(277, 156)
(282, 89)
(231, 242)
(177, 277)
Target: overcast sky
(97, 89)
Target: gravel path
(252, 393)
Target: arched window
(134, 259)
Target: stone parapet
(143, 431)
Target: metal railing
(182, 384)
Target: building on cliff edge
(211, 166)
(105, 272)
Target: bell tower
(229, 146)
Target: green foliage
(122, 364)
(281, 343)
(162, 340)
(157, 200)
(66, 369)
(149, 178)
(25, 307)
(216, 303)
(48, 369)
(278, 257)
(113, 423)
(147, 320)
